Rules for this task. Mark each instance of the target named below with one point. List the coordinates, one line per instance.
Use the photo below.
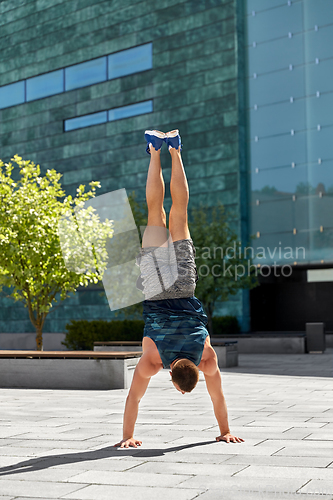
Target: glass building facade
(290, 129)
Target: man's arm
(143, 372)
(214, 386)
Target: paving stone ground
(59, 444)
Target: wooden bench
(67, 369)
(227, 352)
(119, 345)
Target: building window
(85, 121)
(139, 108)
(87, 73)
(110, 115)
(45, 85)
(130, 61)
(98, 70)
(12, 94)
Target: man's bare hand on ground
(127, 443)
(229, 438)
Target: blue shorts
(178, 328)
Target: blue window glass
(130, 61)
(319, 43)
(278, 151)
(320, 245)
(87, 73)
(277, 183)
(276, 55)
(317, 12)
(321, 211)
(85, 121)
(111, 115)
(281, 215)
(274, 217)
(275, 23)
(319, 111)
(45, 85)
(321, 178)
(80, 75)
(131, 110)
(277, 86)
(320, 76)
(11, 94)
(319, 144)
(258, 5)
(278, 241)
(278, 118)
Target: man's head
(184, 375)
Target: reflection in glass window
(87, 73)
(11, 94)
(275, 183)
(131, 110)
(130, 61)
(290, 123)
(45, 85)
(85, 121)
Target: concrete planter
(227, 353)
(18, 341)
(269, 343)
(48, 372)
(329, 340)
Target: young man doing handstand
(175, 333)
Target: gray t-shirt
(168, 272)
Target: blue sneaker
(154, 137)
(173, 140)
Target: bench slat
(119, 342)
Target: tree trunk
(209, 313)
(39, 338)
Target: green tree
(222, 264)
(34, 263)
(268, 190)
(305, 188)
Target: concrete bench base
(49, 372)
(269, 344)
(227, 353)
(329, 340)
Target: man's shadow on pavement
(40, 463)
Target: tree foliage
(223, 266)
(32, 260)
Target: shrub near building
(81, 334)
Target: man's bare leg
(155, 233)
(178, 220)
